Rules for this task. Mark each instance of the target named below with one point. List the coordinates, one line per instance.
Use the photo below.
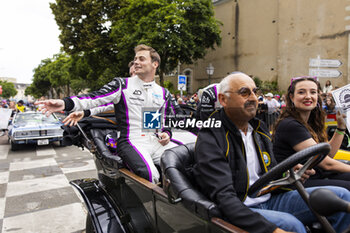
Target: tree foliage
(8, 89)
(56, 76)
(85, 24)
(180, 30)
(267, 86)
(85, 35)
(100, 34)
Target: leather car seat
(178, 181)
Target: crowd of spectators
(15, 106)
(270, 105)
(189, 100)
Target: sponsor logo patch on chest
(137, 92)
(156, 95)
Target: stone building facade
(275, 40)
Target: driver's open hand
(48, 107)
(306, 174)
(164, 138)
(73, 118)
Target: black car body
(120, 201)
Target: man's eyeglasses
(303, 77)
(245, 92)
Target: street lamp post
(210, 71)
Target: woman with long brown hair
(302, 124)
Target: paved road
(35, 195)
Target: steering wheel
(272, 179)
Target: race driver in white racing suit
(140, 150)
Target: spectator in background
(323, 99)
(180, 101)
(4, 104)
(272, 109)
(20, 106)
(278, 99)
(283, 101)
(327, 87)
(196, 98)
(185, 99)
(329, 106)
(272, 104)
(42, 98)
(192, 101)
(262, 109)
(12, 106)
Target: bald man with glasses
(229, 159)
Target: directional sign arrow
(332, 63)
(325, 73)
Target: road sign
(325, 73)
(181, 84)
(332, 63)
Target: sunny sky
(29, 34)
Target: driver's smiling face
(143, 64)
(305, 95)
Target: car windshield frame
(40, 118)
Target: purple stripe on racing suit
(128, 139)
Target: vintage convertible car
(34, 128)
(120, 201)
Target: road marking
(4, 177)
(44, 151)
(4, 150)
(85, 166)
(21, 165)
(36, 185)
(2, 207)
(60, 220)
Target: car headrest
(178, 181)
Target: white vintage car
(34, 128)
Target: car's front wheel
(61, 143)
(14, 146)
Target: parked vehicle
(120, 201)
(34, 128)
